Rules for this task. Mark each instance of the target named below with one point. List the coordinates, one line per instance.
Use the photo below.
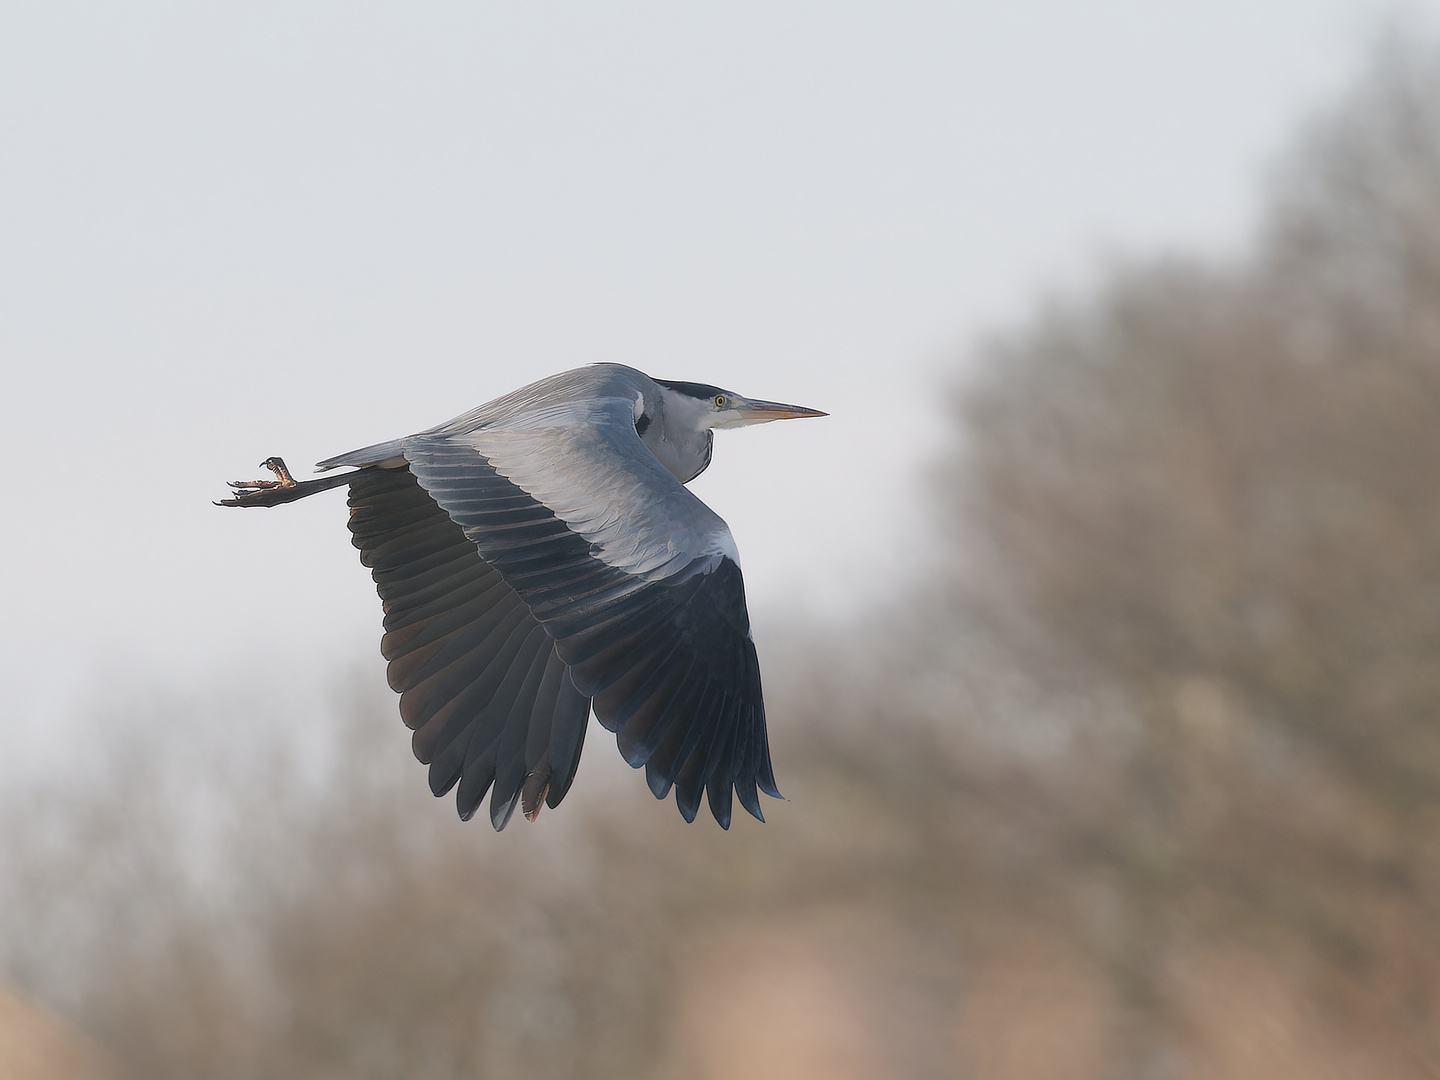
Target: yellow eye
(719, 401)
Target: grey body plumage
(539, 556)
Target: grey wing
(631, 574)
(489, 700)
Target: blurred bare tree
(1215, 494)
(1150, 788)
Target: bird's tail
(283, 489)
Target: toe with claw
(251, 492)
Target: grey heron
(540, 556)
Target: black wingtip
(688, 809)
(765, 777)
(745, 792)
(468, 802)
(501, 810)
(659, 784)
(720, 804)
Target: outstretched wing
(479, 680)
(635, 579)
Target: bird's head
(707, 407)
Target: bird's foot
(275, 465)
(261, 492)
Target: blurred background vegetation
(1143, 781)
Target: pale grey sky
(234, 230)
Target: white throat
(679, 433)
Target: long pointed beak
(758, 412)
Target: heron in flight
(540, 556)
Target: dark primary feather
(491, 704)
